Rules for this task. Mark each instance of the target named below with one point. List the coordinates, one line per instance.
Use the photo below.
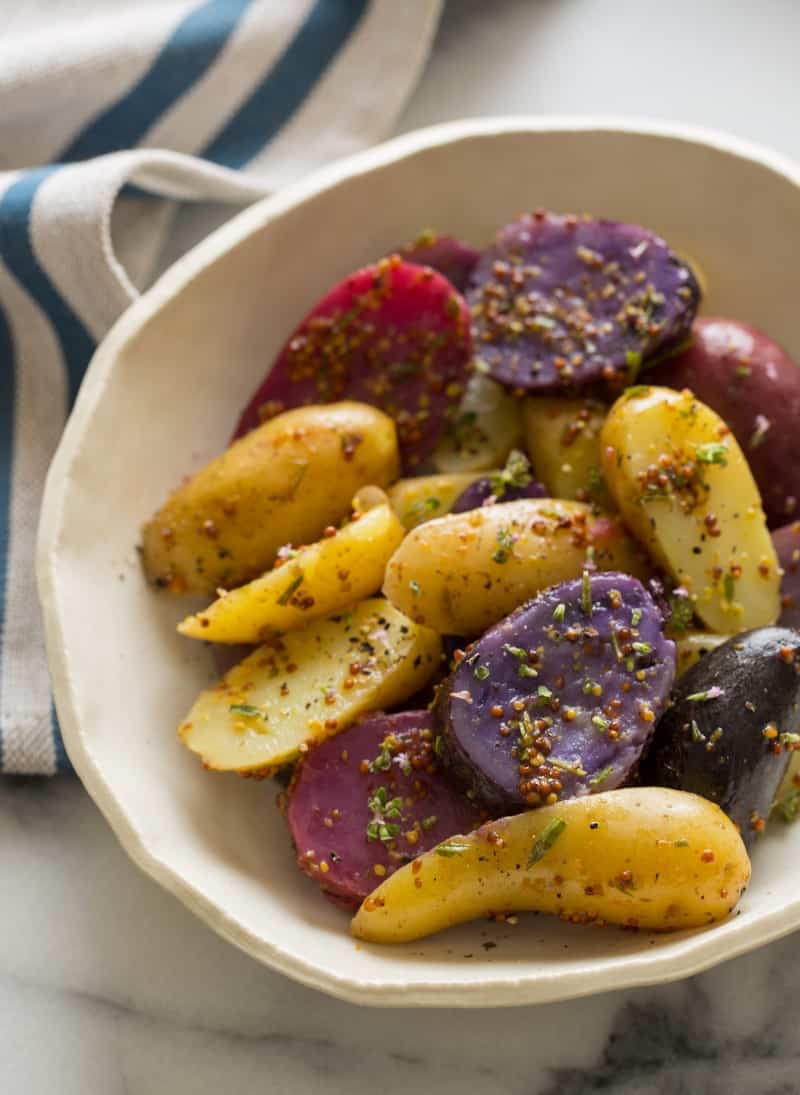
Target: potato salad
(507, 550)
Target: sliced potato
(316, 581)
(427, 496)
(284, 482)
(462, 573)
(308, 685)
(643, 857)
(692, 645)
(683, 486)
(562, 437)
(487, 426)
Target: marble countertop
(109, 987)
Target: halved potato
(424, 497)
(487, 426)
(280, 484)
(692, 645)
(462, 573)
(316, 581)
(562, 437)
(301, 688)
(643, 857)
(684, 487)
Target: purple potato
(450, 256)
(513, 482)
(787, 545)
(561, 698)
(560, 301)
(733, 721)
(754, 386)
(370, 799)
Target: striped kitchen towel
(112, 112)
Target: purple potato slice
(559, 301)
(370, 799)
(515, 481)
(449, 256)
(561, 698)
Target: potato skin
(641, 857)
(562, 437)
(291, 692)
(284, 482)
(683, 486)
(754, 386)
(319, 580)
(455, 575)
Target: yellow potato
(787, 799)
(487, 426)
(562, 437)
(643, 857)
(692, 645)
(461, 573)
(684, 488)
(284, 482)
(309, 685)
(316, 581)
(426, 496)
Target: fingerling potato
(642, 857)
(462, 573)
(684, 488)
(308, 685)
(315, 581)
(562, 437)
(483, 430)
(423, 497)
(284, 482)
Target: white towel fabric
(107, 108)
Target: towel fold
(113, 114)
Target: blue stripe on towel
(326, 29)
(16, 250)
(187, 54)
(63, 763)
(7, 399)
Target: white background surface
(108, 986)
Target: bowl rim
(700, 951)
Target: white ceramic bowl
(160, 398)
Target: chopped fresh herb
(516, 473)
(560, 611)
(526, 671)
(681, 843)
(633, 363)
(544, 323)
(544, 695)
(713, 452)
(382, 830)
(401, 369)
(546, 839)
(682, 612)
(789, 806)
(421, 508)
(516, 652)
(636, 617)
(586, 594)
(743, 370)
(788, 739)
(457, 845)
(600, 723)
(697, 733)
(380, 803)
(290, 589)
(712, 693)
(481, 672)
(615, 644)
(414, 586)
(247, 710)
(428, 822)
(729, 587)
(602, 775)
(506, 542)
(438, 745)
(642, 648)
(383, 761)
